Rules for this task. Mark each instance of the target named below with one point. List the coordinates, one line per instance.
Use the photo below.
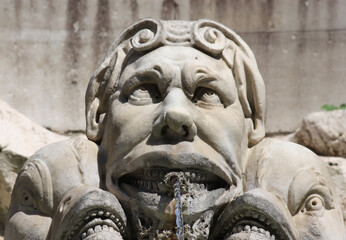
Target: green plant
(331, 107)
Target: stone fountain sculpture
(175, 150)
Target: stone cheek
(176, 115)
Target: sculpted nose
(175, 124)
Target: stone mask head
(174, 96)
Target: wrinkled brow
(159, 73)
(197, 74)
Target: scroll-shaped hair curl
(148, 38)
(208, 37)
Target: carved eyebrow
(207, 76)
(201, 73)
(197, 75)
(201, 76)
(149, 73)
(155, 70)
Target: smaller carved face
(31, 206)
(300, 199)
(176, 109)
(314, 210)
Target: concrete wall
(49, 49)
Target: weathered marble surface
(175, 103)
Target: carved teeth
(268, 222)
(90, 231)
(249, 229)
(99, 219)
(242, 217)
(152, 180)
(98, 228)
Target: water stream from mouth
(178, 209)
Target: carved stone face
(176, 109)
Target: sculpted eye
(206, 96)
(27, 199)
(313, 203)
(145, 94)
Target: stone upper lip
(179, 161)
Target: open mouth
(253, 223)
(154, 180)
(255, 215)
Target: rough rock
(337, 169)
(19, 138)
(324, 133)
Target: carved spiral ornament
(147, 38)
(208, 37)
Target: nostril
(164, 130)
(186, 130)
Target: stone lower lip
(152, 179)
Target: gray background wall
(49, 49)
